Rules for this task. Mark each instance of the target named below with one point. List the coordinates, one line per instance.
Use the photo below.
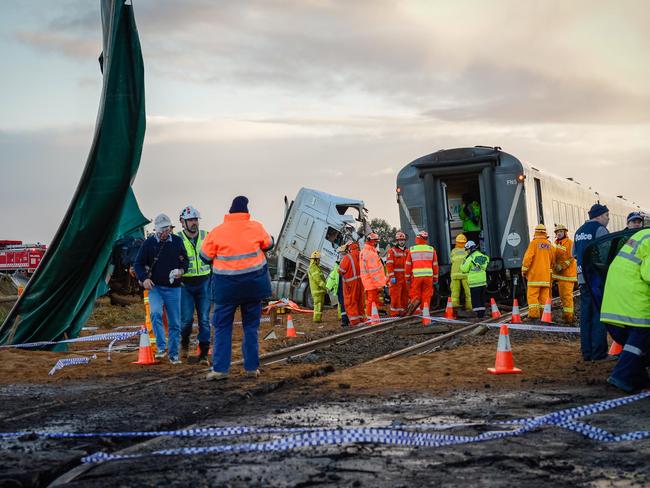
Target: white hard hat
(190, 212)
(161, 222)
(470, 245)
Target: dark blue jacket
(172, 256)
(585, 235)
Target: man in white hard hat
(195, 292)
(159, 266)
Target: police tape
(110, 336)
(402, 435)
(538, 328)
(62, 363)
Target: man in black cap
(634, 220)
(593, 334)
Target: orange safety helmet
(400, 236)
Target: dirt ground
(450, 385)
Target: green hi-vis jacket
(195, 267)
(626, 301)
(475, 265)
(333, 279)
(316, 279)
(468, 218)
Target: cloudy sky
(262, 97)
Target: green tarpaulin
(60, 296)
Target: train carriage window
(540, 207)
(578, 218)
(416, 216)
(556, 212)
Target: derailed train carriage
(514, 198)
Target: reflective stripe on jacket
(372, 269)
(423, 262)
(196, 266)
(349, 267)
(564, 261)
(626, 301)
(396, 263)
(475, 265)
(458, 255)
(538, 262)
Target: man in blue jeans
(159, 266)
(593, 334)
(236, 249)
(195, 292)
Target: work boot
(215, 376)
(204, 350)
(185, 347)
(253, 374)
(412, 306)
(568, 319)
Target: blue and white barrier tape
(62, 363)
(404, 435)
(110, 336)
(538, 328)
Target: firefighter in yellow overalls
(458, 278)
(565, 271)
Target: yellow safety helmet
(540, 229)
(315, 255)
(561, 227)
(461, 238)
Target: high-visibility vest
(565, 260)
(626, 301)
(538, 262)
(424, 261)
(195, 267)
(349, 267)
(372, 269)
(475, 265)
(332, 283)
(396, 263)
(458, 255)
(236, 246)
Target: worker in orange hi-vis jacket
(422, 265)
(373, 276)
(349, 269)
(565, 271)
(537, 266)
(398, 280)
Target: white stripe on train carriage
(511, 216)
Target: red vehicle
(16, 256)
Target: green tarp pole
(59, 298)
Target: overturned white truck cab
(314, 221)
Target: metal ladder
(299, 274)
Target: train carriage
(514, 198)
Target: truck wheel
(307, 298)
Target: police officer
(475, 265)
(634, 220)
(626, 306)
(195, 292)
(593, 336)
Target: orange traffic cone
(291, 331)
(616, 349)
(374, 317)
(449, 311)
(495, 310)
(504, 363)
(426, 318)
(147, 317)
(547, 316)
(145, 353)
(516, 316)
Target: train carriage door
(448, 218)
(538, 198)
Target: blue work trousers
(593, 334)
(222, 320)
(630, 370)
(197, 298)
(170, 298)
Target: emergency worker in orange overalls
(565, 272)
(373, 276)
(398, 280)
(537, 266)
(422, 265)
(349, 270)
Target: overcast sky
(262, 97)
